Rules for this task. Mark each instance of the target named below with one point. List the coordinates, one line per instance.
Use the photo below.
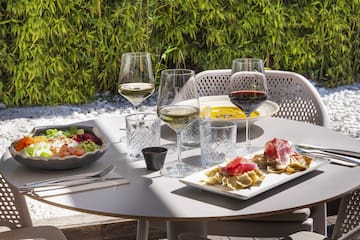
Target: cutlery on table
(73, 183)
(333, 157)
(95, 175)
(330, 150)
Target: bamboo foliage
(66, 51)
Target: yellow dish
(226, 112)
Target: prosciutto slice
(238, 166)
(278, 152)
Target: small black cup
(154, 157)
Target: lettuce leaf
(40, 149)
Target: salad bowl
(50, 150)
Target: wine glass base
(177, 170)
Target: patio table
(149, 196)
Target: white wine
(178, 116)
(136, 92)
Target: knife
(57, 185)
(331, 150)
(330, 155)
(92, 175)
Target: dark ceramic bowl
(154, 157)
(60, 163)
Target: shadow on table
(255, 132)
(238, 204)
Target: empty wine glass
(136, 78)
(178, 106)
(248, 89)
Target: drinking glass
(177, 106)
(248, 90)
(136, 78)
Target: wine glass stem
(136, 114)
(178, 146)
(247, 134)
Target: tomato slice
(23, 143)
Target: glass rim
(242, 60)
(226, 124)
(137, 115)
(178, 71)
(136, 54)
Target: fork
(328, 155)
(95, 175)
(349, 153)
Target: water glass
(217, 141)
(190, 136)
(142, 130)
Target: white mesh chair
(347, 226)
(298, 100)
(15, 217)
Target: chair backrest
(347, 224)
(213, 82)
(13, 209)
(297, 97)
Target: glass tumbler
(142, 130)
(217, 141)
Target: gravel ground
(342, 103)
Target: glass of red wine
(248, 90)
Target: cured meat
(278, 152)
(238, 174)
(238, 166)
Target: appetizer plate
(60, 163)
(271, 180)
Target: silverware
(96, 175)
(332, 160)
(349, 153)
(328, 155)
(59, 185)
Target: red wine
(247, 100)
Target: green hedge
(66, 51)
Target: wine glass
(136, 78)
(177, 106)
(248, 90)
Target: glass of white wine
(178, 106)
(136, 78)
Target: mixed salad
(59, 143)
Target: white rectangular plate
(271, 180)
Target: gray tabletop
(150, 196)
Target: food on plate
(59, 143)
(280, 157)
(238, 174)
(227, 112)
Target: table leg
(318, 214)
(174, 228)
(142, 232)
